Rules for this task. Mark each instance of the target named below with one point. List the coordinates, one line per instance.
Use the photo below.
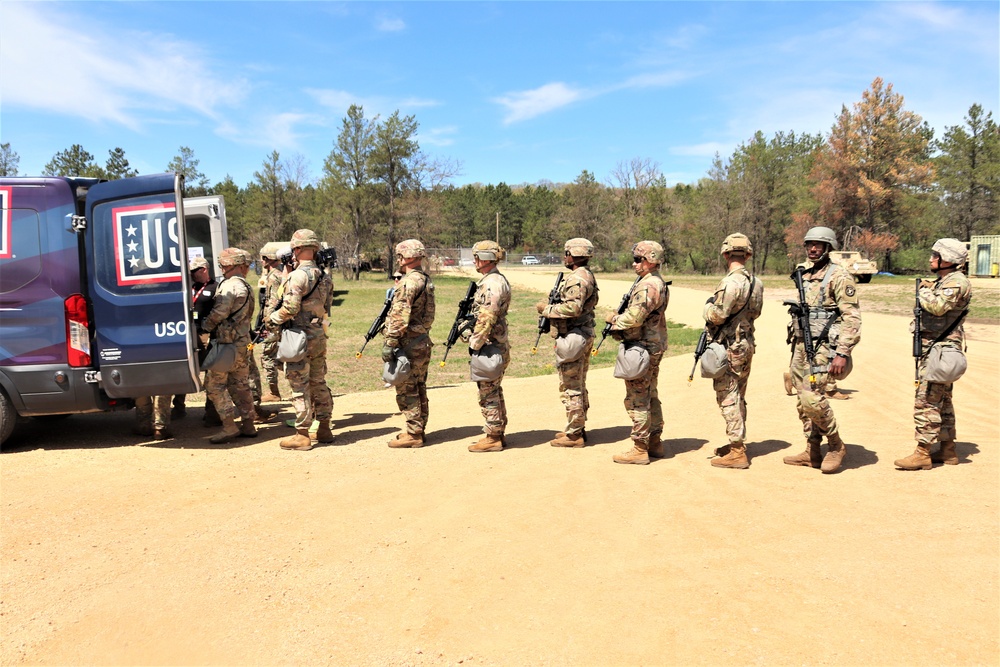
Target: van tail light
(77, 331)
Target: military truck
(862, 269)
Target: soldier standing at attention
(489, 326)
(643, 323)
(944, 303)
(305, 302)
(835, 325)
(229, 322)
(729, 315)
(407, 330)
(574, 313)
(269, 281)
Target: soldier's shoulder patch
(849, 290)
(948, 291)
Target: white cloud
(530, 103)
(438, 136)
(386, 24)
(707, 149)
(339, 101)
(116, 76)
(278, 131)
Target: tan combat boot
(404, 440)
(639, 454)
(324, 433)
(488, 443)
(273, 395)
(655, 447)
(565, 440)
(736, 457)
(229, 431)
(918, 460)
(300, 441)
(835, 453)
(811, 457)
(946, 454)
(247, 429)
(163, 433)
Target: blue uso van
(95, 293)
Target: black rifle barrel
(464, 308)
(378, 322)
(544, 323)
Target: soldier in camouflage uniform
(407, 330)
(152, 416)
(944, 303)
(644, 323)
(270, 279)
(229, 322)
(574, 312)
(488, 325)
(305, 301)
(729, 315)
(835, 317)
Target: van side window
(22, 262)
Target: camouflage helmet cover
(410, 248)
(489, 251)
(651, 251)
(304, 238)
(579, 247)
(270, 249)
(824, 234)
(952, 251)
(197, 263)
(737, 244)
(233, 257)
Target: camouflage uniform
(575, 312)
(152, 415)
(643, 321)
(305, 301)
(269, 349)
(407, 326)
(230, 319)
(840, 298)
(942, 304)
(489, 312)
(733, 298)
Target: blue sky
(514, 92)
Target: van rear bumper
(53, 389)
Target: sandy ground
(187, 553)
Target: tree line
(879, 178)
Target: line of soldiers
(825, 329)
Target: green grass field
(356, 304)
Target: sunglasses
(637, 260)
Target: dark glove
(203, 338)
(711, 300)
(388, 352)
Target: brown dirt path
(187, 553)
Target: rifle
(544, 323)
(378, 322)
(621, 309)
(800, 311)
(699, 350)
(918, 348)
(464, 308)
(258, 326)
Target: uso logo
(147, 249)
(6, 252)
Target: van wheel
(8, 417)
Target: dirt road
(188, 553)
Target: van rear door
(139, 287)
(205, 223)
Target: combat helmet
(488, 251)
(579, 247)
(270, 249)
(737, 244)
(823, 234)
(410, 248)
(651, 251)
(952, 251)
(197, 263)
(304, 238)
(233, 257)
